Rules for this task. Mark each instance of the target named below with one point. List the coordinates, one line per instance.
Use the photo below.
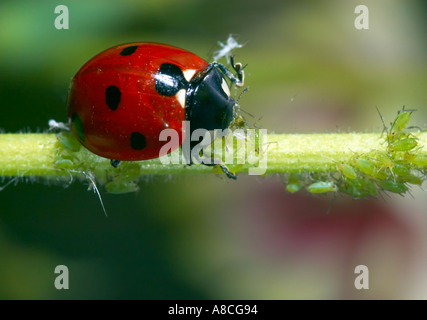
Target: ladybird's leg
(115, 163)
(212, 163)
(224, 169)
(237, 79)
(238, 67)
(227, 172)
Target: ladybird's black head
(208, 104)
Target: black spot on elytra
(112, 97)
(128, 50)
(137, 141)
(170, 79)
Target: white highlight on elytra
(225, 87)
(180, 96)
(189, 74)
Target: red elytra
(120, 100)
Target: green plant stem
(289, 153)
(36, 154)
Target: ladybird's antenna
(247, 112)
(237, 103)
(246, 89)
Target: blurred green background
(309, 70)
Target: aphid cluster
(75, 159)
(392, 169)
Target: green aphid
(98, 171)
(353, 191)
(401, 170)
(365, 165)
(124, 180)
(419, 160)
(347, 170)
(119, 187)
(69, 141)
(322, 187)
(382, 174)
(412, 179)
(400, 122)
(384, 160)
(393, 186)
(129, 171)
(295, 183)
(406, 144)
(359, 188)
(370, 187)
(64, 164)
(293, 187)
(399, 156)
(367, 185)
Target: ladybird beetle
(121, 100)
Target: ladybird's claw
(115, 163)
(224, 169)
(240, 74)
(227, 172)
